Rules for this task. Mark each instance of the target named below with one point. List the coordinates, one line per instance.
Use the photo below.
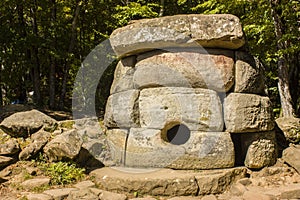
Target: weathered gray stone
(248, 74)
(122, 110)
(164, 182)
(123, 76)
(39, 140)
(202, 150)
(84, 184)
(248, 113)
(10, 147)
(199, 109)
(32, 196)
(197, 68)
(222, 31)
(64, 146)
(36, 182)
(59, 194)
(260, 149)
(23, 124)
(290, 127)
(85, 194)
(291, 155)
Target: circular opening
(178, 134)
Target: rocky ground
(24, 180)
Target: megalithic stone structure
(186, 96)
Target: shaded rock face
(182, 90)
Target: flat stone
(166, 182)
(196, 68)
(84, 184)
(59, 194)
(185, 198)
(260, 149)
(209, 197)
(36, 182)
(5, 161)
(163, 182)
(85, 194)
(251, 195)
(248, 113)
(292, 192)
(106, 195)
(10, 147)
(198, 109)
(237, 189)
(33, 196)
(291, 155)
(121, 110)
(248, 74)
(220, 31)
(23, 124)
(123, 76)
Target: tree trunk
(162, 8)
(283, 75)
(70, 49)
(52, 62)
(36, 65)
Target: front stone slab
(202, 150)
(198, 109)
(214, 31)
(167, 182)
(248, 113)
(122, 110)
(196, 68)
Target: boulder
(198, 109)
(199, 150)
(23, 124)
(121, 110)
(247, 113)
(290, 127)
(217, 31)
(123, 76)
(260, 149)
(10, 147)
(197, 68)
(38, 141)
(249, 75)
(291, 155)
(64, 146)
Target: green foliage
(62, 173)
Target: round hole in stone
(178, 134)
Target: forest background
(44, 42)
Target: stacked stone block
(186, 96)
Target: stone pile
(186, 96)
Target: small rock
(32, 196)
(10, 147)
(59, 194)
(185, 198)
(105, 195)
(82, 194)
(36, 182)
(209, 197)
(251, 195)
(64, 146)
(84, 184)
(238, 189)
(293, 192)
(5, 161)
(291, 155)
(144, 198)
(245, 181)
(290, 127)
